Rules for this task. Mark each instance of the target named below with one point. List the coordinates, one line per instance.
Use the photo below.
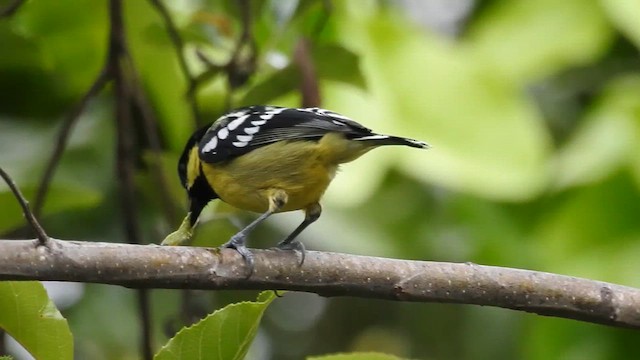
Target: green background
(532, 109)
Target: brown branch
(11, 9)
(43, 238)
(125, 162)
(327, 274)
(309, 87)
(125, 147)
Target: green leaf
(166, 92)
(526, 40)
(606, 140)
(356, 356)
(29, 316)
(225, 334)
(335, 62)
(24, 51)
(488, 139)
(624, 15)
(72, 35)
(272, 86)
(589, 224)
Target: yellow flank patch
(193, 166)
(303, 169)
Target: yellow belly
(298, 168)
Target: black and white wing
(243, 130)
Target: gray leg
(312, 213)
(238, 241)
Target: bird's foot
(294, 245)
(237, 242)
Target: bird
(270, 159)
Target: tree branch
(43, 238)
(327, 274)
(309, 86)
(125, 153)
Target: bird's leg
(277, 199)
(183, 234)
(312, 213)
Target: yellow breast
(299, 168)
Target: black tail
(379, 140)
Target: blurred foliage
(532, 108)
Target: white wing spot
(210, 145)
(235, 123)
(338, 123)
(223, 133)
(258, 122)
(269, 114)
(240, 143)
(336, 115)
(325, 112)
(372, 137)
(244, 138)
(232, 114)
(251, 130)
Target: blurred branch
(152, 134)
(309, 87)
(117, 61)
(327, 274)
(11, 9)
(43, 239)
(63, 136)
(174, 35)
(241, 66)
(242, 63)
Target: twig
(241, 66)
(63, 137)
(150, 125)
(174, 35)
(238, 69)
(11, 8)
(309, 87)
(327, 274)
(43, 238)
(118, 56)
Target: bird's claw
(294, 245)
(237, 242)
